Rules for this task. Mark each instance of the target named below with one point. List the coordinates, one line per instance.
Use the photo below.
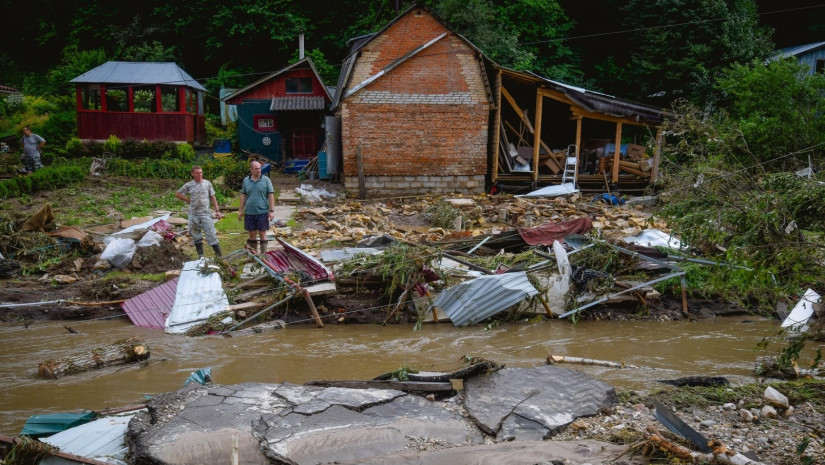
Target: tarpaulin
(546, 233)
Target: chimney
(301, 44)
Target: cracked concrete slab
(549, 396)
(297, 425)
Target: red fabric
(549, 232)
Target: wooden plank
(578, 111)
(556, 167)
(406, 386)
(537, 133)
(362, 192)
(243, 306)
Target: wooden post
(578, 141)
(131, 99)
(359, 158)
(657, 152)
(537, 138)
(497, 126)
(618, 156)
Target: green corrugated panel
(41, 426)
(266, 144)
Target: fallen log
(405, 386)
(719, 452)
(120, 353)
(554, 359)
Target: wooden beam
(578, 141)
(496, 125)
(618, 155)
(578, 111)
(553, 164)
(537, 134)
(405, 386)
(520, 139)
(555, 95)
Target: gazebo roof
(127, 72)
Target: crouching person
(199, 193)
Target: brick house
(414, 106)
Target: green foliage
(112, 144)
(442, 215)
(48, 178)
(778, 107)
(681, 47)
(185, 152)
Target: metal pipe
(604, 299)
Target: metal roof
(799, 49)
(101, 440)
(150, 309)
(128, 72)
(473, 301)
(297, 103)
(198, 297)
(8, 90)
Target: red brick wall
(428, 116)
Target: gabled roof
(591, 101)
(129, 72)
(296, 65)
(357, 43)
(800, 49)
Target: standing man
(198, 193)
(257, 206)
(32, 144)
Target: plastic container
(322, 166)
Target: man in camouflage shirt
(198, 193)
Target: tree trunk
(120, 353)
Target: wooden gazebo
(138, 100)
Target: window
(820, 66)
(170, 98)
(298, 85)
(117, 99)
(90, 97)
(144, 98)
(264, 123)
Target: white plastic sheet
(149, 239)
(119, 252)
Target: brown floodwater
(662, 350)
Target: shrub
(75, 148)
(48, 178)
(186, 153)
(112, 144)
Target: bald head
(255, 170)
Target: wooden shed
(544, 128)
(812, 55)
(139, 100)
(414, 106)
(281, 116)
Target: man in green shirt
(257, 206)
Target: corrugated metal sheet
(127, 72)
(198, 297)
(100, 440)
(473, 301)
(293, 258)
(297, 103)
(797, 49)
(150, 309)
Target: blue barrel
(322, 166)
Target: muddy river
(662, 350)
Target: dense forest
(647, 51)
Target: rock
(775, 398)
(746, 416)
(707, 423)
(769, 412)
(788, 412)
(729, 406)
(64, 279)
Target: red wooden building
(132, 100)
(281, 116)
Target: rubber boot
(199, 248)
(251, 245)
(263, 245)
(217, 249)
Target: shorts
(256, 222)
